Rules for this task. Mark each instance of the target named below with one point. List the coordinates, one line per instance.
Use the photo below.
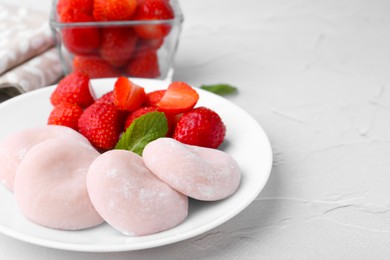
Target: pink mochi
(50, 185)
(200, 173)
(130, 198)
(15, 146)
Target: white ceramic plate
(245, 141)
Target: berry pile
(103, 120)
(114, 51)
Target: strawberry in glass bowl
(112, 38)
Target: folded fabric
(28, 59)
(23, 35)
(42, 70)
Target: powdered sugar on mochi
(130, 198)
(15, 146)
(198, 172)
(50, 185)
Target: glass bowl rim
(178, 19)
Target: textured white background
(316, 76)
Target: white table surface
(316, 76)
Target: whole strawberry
(101, 124)
(107, 98)
(146, 45)
(143, 65)
(201, 127)
(94, 67)
(79, 40)
(137, 113)
(153, 10)
(117, 45)
(171, 119)
(114, 10)
(65, 114)
(85, 6)
(73, 88)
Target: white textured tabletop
(316, 76)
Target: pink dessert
(130, 198)
(50, 185)
(198, 172)
(15, 146)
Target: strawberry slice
(178, 98)
(128, 96)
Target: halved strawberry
(102, 125)
(152, 98)
(94, 67)
(178, 98)
(114, 10)
(73, 88)
(65, 114)
(143, 65)
(128, 96)
(118, 45)
(79, 40)
(201, 127)
(153, 10)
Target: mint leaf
(143, 130)
(220, 89)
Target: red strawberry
(146, 45)
(137, 113)
(118, 45)
(66, 114)
(152, 98)
(114, 10)
(200, 127)
(85, 6)
(94, 66)
(178, 98)
(128, 95)
(153, 10)
(74, 88)
(107, 98)
(171, 119)
(143, 65)
(79, 40)
(102, 125)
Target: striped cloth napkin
(28, 58)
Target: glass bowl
(93, 47)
